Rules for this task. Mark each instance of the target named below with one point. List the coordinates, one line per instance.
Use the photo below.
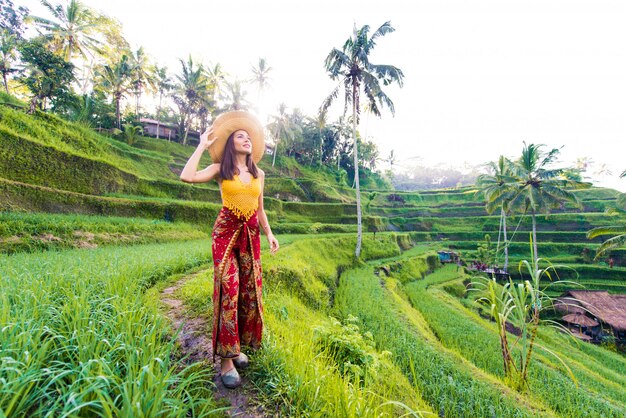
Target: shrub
(354, 353)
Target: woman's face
(242, 142)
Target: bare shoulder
(261, 173)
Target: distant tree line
(428, 178)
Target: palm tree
(603, 170)
(163, 85)
(538, 188)
(320, 122)
(261, 78)
(193, 87)
(72, 30)
(217, 78)
(115, 80)
(356, 74)
(296, 123)
(8, 54)
(132, 133)
(496, 186)
(142, 76)
(281, 127)
(236, 96)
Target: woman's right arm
(190, 173)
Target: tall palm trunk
(321, 146)
(185, 136)
(506, 242)
(276, 148)
(356, 173)
(87, 77)
(70, 50)
(118, 116)
(6, 83)
(158, 116)
(535, 256)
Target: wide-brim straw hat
(227, 123)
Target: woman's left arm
(265, 225)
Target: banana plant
(520, 304)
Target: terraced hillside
(83, 330)
(53, 166)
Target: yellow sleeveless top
(241, 198)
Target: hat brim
(229, 122)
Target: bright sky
(480, 76)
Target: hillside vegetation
(92, 229)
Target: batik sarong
(237, 307)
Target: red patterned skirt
(237, 307)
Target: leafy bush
(456, 289)
(354, 353)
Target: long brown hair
(228, 167)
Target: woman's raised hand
(205, 142)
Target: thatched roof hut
(580, 320)
(566, 306)
(606, 308)
(582, 336)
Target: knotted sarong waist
(232, 232)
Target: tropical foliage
(520, 305)
(94, 77)
(618, 239)
(358, 76)
(530, 186)
(493, 185)
(47, 76)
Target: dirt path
(195, 341)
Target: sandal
(241, 361)
(231, 378)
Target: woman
(235, 142)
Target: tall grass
(600, 393)
(78, 338)
(449, 386)
(20, 231)
(295, 375)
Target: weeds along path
(194, 339)
(81, 334)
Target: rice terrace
(492, 291)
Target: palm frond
(335, 62)
(329, 100)
(384, 29)
(550, 157)
(374, 93)
(606, 230)
(388, 73)
(611, 244)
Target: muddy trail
(195, 343)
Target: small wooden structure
(165, 130)
(492, 271)
(594, 312)
(448, 257)
(582, 326)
